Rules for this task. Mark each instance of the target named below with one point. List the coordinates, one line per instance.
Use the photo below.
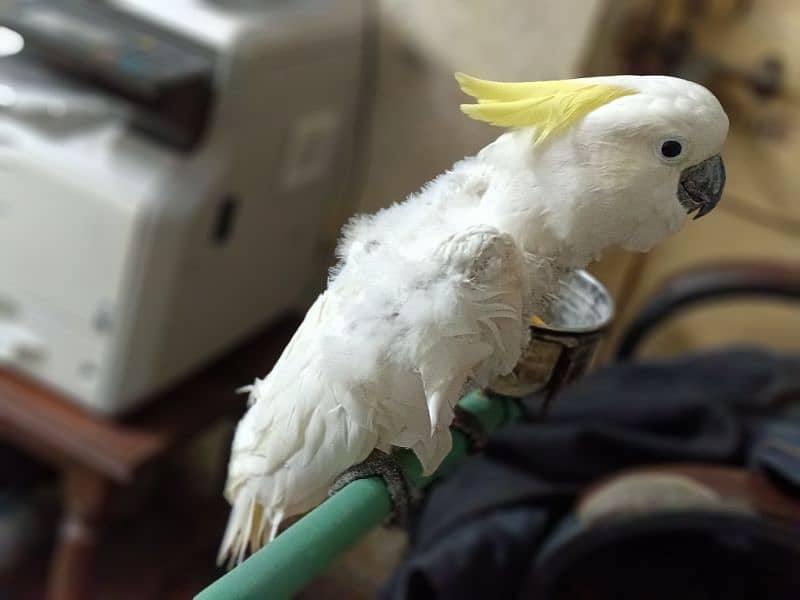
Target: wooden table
(96, 456)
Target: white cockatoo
(435, 293)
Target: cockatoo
(435, 293)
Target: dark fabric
(480, 529)
(686, 556)
(776, 451)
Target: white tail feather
(249, 524)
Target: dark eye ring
(671, 149)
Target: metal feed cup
(562, 348)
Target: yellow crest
(550, 106)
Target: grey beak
(700, 187)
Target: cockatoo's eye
(671, 150)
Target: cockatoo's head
(595, 162)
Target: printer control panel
(164, 77)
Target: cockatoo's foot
(468, 424)
(380, 464)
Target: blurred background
(173, 178)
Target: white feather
(436, 292)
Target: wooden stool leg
(85, 499)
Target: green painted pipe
(305, 549)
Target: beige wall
(418, 130)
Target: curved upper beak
(701, 186)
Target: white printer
(169, 170)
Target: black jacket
(479, 531)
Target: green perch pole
(305, 549)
